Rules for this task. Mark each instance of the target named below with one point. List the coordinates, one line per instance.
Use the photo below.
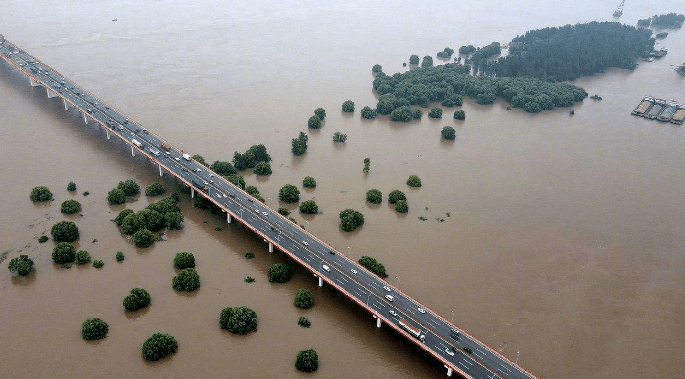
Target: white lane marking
(504, 367)
(478, 355)
(469, 363)
(462, 365)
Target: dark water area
(563, 244)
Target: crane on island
(619, 10)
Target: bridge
(452, 346)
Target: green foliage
(40, 194)
(153, 220)
(98, 263)
(159, 346)
(64, 231)
(304, 299)
(446, 53)
(132, 223)
(166, 204)
(81, 257)
(279, 273)
(373, 265)
(320, 113)
(86, 193)
(668, 21)
(396, 195)
(200, 159)
(459, 115)
(348, 106)
(467, 50)
(339, 137)
(368, 112)
(482, 53)
(644, 23)
(240, 320)
(259, 152)
(262, 168)
(401, 206)
(367, 164)
(414, 181)
(451, 101)
(63, 252)
(70, 206)
(143, 238)
(154, 189)
(416, 114)
(289, 194)
(94, 329)
(184, 260)
(435, 113)
(377, 68)
(309, 207)
(302, 321)
(173, 220)
(119, 256)
(136, 299)
(351, 219)
(284, 211)
(243, 161)
(116, 196)
(402, 113)
(249, 255)
(427, 61)
(568, 52)
(42, 239)
(299, 144)
(22, 265)
(238, 180)
(307, 361)
(414, 59)
(249, 279)
(119, 220)
(448, 133)
(308, 182)
(223, 168)
(186, 280)
(314, 122)
(374, 196)
(130, 187)
(71, 186)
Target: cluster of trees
(40, 194)
(461, 115)
(396, 195)
(374, 196)
(299, 144)
(414, 181)
(309, 207)
(448, 133)
(279, 273)
(252, 190)
(368, 112)
(664, 21)
(414, 59)
(263, 169)
(159, 346)
(94, 329)
(70, 206)
(452, 81)
(427, 61)
(401, 206)
(64, 231)
(126, 188)
(239, 320)
(223, 168)
(22, 265)
(467, 50)
(376, 68)
(314, 122)
(81, 257)
(155, 189)
(446, 53)
(186, 280)
(348, 106)
(162, 213)
(481, 54)
(351, 219)
(435, 112)
(339, 137)
(307, 360)
(64, 252)
(373, 265)
(136, 299)
(250, 158)
(571, 51)
(405, 114)
(289, 194)
(304, 299)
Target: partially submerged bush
(40, 194)
(143, 238)
(70, 206)
(374, 196)
(308, 182)
(119, 256)
(414, 181)
(307, 361)
(138, 298)
(186, 280)
(64, 231)
(81, 257)
(373, 265)
(302, 321)
(98, 263)
(159, 346)
(22, 265)
(64, 252)
(154, 189)
(304, 299)
(240, 320)
(94, 329)
(279, 273)
(395, 196)
(184, 260)
(401, 206)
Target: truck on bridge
(199, 185)
(416, 332)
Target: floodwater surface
(556, 239)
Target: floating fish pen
(662, 110)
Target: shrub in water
(138, 298)
(186, 280)
(184, 260)
(159, 346)
(94, 329)
(82, 257)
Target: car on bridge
(390, 297)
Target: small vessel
(666, 114)
(658, 53)
(619, 10)
(680, 69)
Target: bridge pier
(378, 322)
(33, 82)
(320, 282)
(85, 118)
(160, 169)
(228, 217)
(107, 133)
(271, 247)
(133, 152)
(50, 94)
(192, 192)
(449, 370)
(66, 107)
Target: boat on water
(680, 69)
(666, 114)
(619, 10)
(658, 53)
(678, 116)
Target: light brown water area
(563, 246)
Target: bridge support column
(33, 82)
(192, 192)
(271, 247)
(449, 370)
(228, 217)
(378, 322)
(107, 133)
(160, 170)
(50, 94)
(320, 282)
(133, 152)
(85, 119)
(66, 107)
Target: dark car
(468, 349)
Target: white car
(449, 352)
(387, 288)
(393, 313)
(390, 297)
(354, 271)
(265, 214)
(326, 268)
(305, 243)
(421, 310)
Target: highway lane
(347, 275)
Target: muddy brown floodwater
(563, 245)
